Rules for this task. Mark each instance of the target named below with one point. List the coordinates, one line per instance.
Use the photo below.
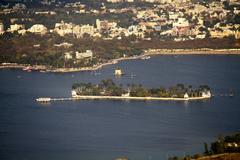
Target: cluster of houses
(204, 94)
(178, 19)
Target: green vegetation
(22, 50)
(227, 144)
(109, 88)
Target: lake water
(106, 129)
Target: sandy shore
(139, 98)
(149, 52)
(202, 51)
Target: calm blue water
(105, 130)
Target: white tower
(1, 28)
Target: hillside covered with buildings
(84, 33)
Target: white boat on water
(42, 71)
(118, 72)
(28, 69)
(43, 99)
(145, 57)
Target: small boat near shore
(28, 69)
(42, 71)
(145, 57)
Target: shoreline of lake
(149, 52)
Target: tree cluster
(109, 88)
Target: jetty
(46, 100)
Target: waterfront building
(82, 55)
(206, 94)
(74, 93)
(126, 94)
(186, 96)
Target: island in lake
(107, 89)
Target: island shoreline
(125, 98)
(138, 98)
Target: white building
(16, 27)
(104, 25)
(68, 55)
(79, 31)
(82, 55)
(126, 94)
(114, 1)
(186, 96)
(64, 44)
(1, 28)
(181, 27)
(46, 13)
(136, 30)
(206, 94)
(182, 22)
(201, 36)
(173, 16)
(63, 28)
(74, 93)
(38, 29)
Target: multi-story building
(82, 55)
